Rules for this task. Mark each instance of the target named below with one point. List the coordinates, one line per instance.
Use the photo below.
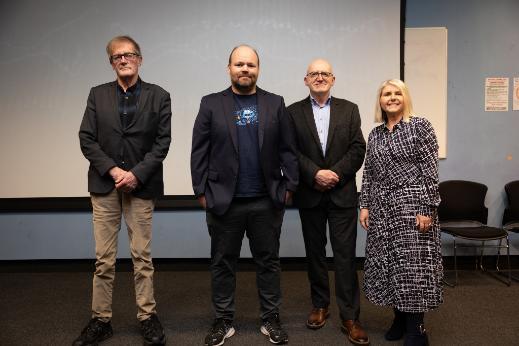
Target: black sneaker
(221, 330)
(272, 328)
(152, 331)
(95, 332)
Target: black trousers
(342, 223)
(262, 223)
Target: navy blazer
(142, 146)
(345, 149)
(214, 152)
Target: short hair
(244, 45)
(380, 115)
(123, 38)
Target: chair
(511, 214)
(463, 215)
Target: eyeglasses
(314, 75)
(128, 56)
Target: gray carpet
(52, 308)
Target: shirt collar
(131, 89)
(315, 103)
(395, 127)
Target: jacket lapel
(228, 113)
(115, 107)
(143, 98)
(334, 120)
(310, 122)
(263, 114)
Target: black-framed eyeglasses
(128, 56)
(315, 74)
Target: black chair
(511, 214)
(463, 215)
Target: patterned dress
(403, 266)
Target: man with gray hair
(125, 135)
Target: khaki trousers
(107, 212)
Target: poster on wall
(496, 94)
(516, 94)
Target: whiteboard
(425, 61)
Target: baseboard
(202, 264)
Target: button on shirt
(127, 102)
(322, 120)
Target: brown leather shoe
(355, 332)
(317, 318)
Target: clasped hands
(325, 179)
(423, 222)
(125, 181)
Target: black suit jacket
(345, 149)
(214, 152)
(140, 148)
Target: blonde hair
(380, 115)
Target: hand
(320, 188)
(326, 178)
(288, 197)
(128, 183)
(423, 223)
(364, 218)
(202, 201)
(117, 174)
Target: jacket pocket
(212, 175)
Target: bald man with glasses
(330, 150)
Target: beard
(246, 87)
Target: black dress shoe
(95, 332)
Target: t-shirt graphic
(247, 116)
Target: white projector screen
(53, 52)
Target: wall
(483, 42)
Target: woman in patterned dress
(398, 202)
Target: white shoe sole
(264, 331)
(230, 333)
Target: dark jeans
(262, 223)
(343, 237)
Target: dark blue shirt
(251, 182)
(127, 102)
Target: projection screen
(53, 52)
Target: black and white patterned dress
(403, 266)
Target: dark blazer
(214, 152)
(344, 155)
(140, 148)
